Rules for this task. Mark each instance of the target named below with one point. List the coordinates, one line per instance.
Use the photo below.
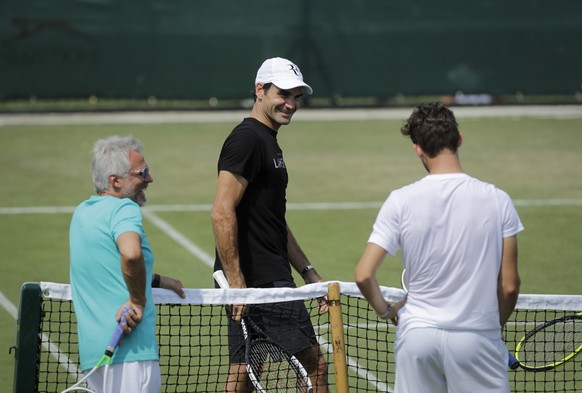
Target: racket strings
(273, 368)
(553, 344)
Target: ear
(460, 139)
(418, 150)
(259, 91)
(115, 181)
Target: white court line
(290, 206)
(367, 375)
(8, 306)
(179, 237)
(61, 358)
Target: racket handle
(117, 334)
(512, 362)
(221, 279)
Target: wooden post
(337, 335)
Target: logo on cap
(294, 68)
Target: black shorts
(286, 323)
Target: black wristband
(307, 268)
(156, 281)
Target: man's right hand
(133, 316)
(237, 311)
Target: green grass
(349, 161)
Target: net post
(27, 338)
(337, 334)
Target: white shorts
(131, 377)
(430, 360)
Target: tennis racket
(105, 359)
(270, 367)
(549, 345)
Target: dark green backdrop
(212, 48)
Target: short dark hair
(266, 86)
(433, 127)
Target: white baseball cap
(282, 73)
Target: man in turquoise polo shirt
(112, 268)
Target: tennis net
(193, 342)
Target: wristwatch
(307, 268)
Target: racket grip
(220, 279)
(117, 334)
(512, 362)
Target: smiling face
(133, 184)
(137, 180)
(275, 107)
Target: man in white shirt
(458, 240)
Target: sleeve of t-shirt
(239, 154)
(127, 218)
(511, 222)
(385, 232)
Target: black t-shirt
(251, 150)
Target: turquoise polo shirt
(97, 283)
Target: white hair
(111, 157)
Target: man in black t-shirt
(254, 246)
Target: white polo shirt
(450, 229)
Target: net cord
(266, 295)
